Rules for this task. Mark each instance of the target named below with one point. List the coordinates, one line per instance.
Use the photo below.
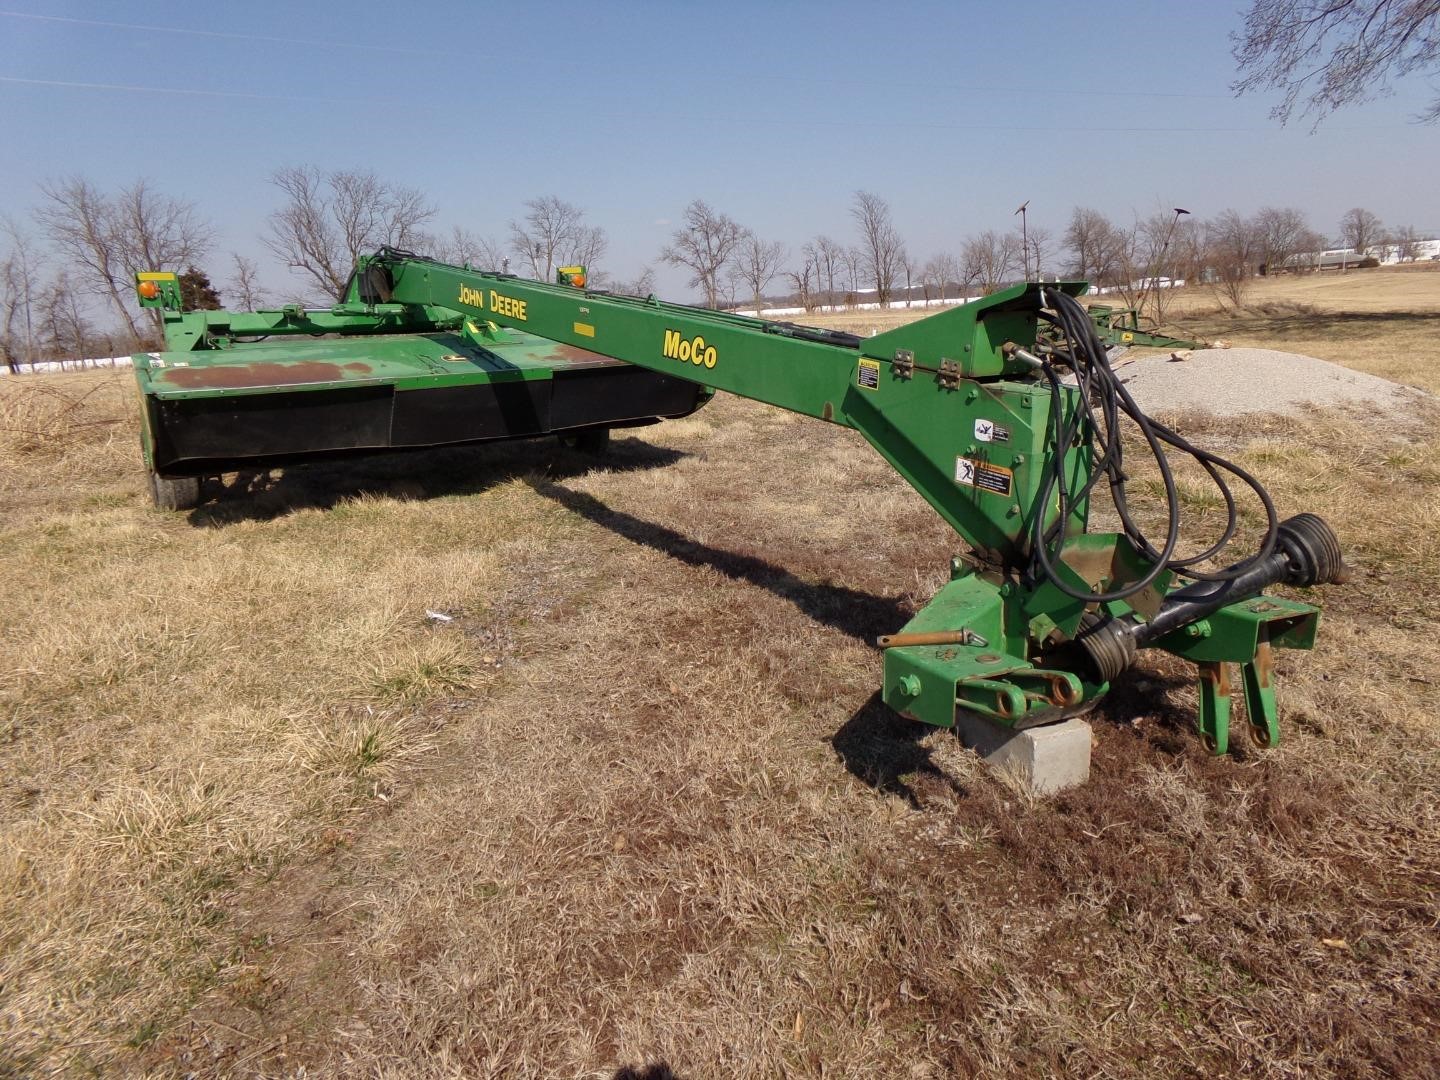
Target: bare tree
(1407, 243)
(1326, 54)
(464, 248)
(67, 334)
(19, 279)
(244, 285)
(1186, 257)
(549, 225)
(1145, 262)
(909, 269)
(1234, 248)
(704, 246)
(879, 242)
(1093, 243)
(802, 278)
(991, 259)
(587, 247)
(829, 258)
(931, 279)
(81, 223)
(1039, 240)
(942, 271)
(1361, 230)
(1283, 234)
(1172, 236)
(156, 231)
(852, 260)
(107, 239)
(554, 234)
(643, 284)
(330, 219)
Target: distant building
(1390, 253)
(1387, 254)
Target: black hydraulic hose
(1113, 468)
(1101, 390)
(1210, 462)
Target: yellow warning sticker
(995, 479)
(584, 329)
(868, 376)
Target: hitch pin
(933, 637)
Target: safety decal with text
(989, 431)
(995, 479)
(868, 377)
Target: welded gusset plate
(1235, 633)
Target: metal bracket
(1259, 682)
(949, 376)
(903, 366)
(1215, 705)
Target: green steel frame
(953, 404)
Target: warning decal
(995, 479)
(989, 431)
(868, 376)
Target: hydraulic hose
(1105, 401)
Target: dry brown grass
(637, 801)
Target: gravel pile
(1234, 381)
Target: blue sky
(773, 112)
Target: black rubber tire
(594, 441)
(174, 492)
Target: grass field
(637, 801)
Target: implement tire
(174, 492)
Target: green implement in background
(235, 390)
(1122, 326)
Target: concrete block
(1043, 759)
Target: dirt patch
(1238, 381)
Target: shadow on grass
(862, 615)
(880, 747)
(266, 494)
(1141, 703)
(886, 751)
(1319, 324)
(658, 1071)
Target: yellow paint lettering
(508, 306)
(692, 350)
(473, 297)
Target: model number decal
(499, 303)
(692, 350)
